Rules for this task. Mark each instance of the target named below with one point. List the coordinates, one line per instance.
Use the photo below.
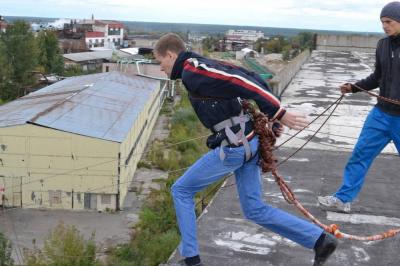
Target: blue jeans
(379, 129)
(207, 170)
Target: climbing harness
(232, 138)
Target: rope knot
(334, 230)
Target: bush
(122, 255)
(64, 246)
(154, 249)
(164, 159)
(5, 251)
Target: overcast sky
(352, 15)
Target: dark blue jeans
(379, 129)
(207, 170)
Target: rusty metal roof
(103, 106)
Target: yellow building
(75, 144)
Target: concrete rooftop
(226, 238)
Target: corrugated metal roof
(103, 106)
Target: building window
(105, 199)
(54, 197)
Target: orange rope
(333, 228)
(377, 95)
(268, 163)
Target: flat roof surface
(95, 55)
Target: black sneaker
(324, 249)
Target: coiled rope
(268, 163)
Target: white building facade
(244, 35)
(107, 34)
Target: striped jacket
(215, 88)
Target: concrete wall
(282, 79)
(133, 146)
(45, 168)
(347, 42)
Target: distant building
(3, 24)
(196, 37)
(236, 40)
(113, 33)
(94, 39)
(244, 35)
(94, 33)
(144, 41)
(94, 60)
(72, 45)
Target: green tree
(210, 43)
(64, 246)
(306, 40)
(49, 53)
(259, 44)
(276, 44)
(5, 73)
(5, 251)
(21, 52)
(286, 50)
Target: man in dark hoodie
(216, 90)
(383, 122)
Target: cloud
(357, 15)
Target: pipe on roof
(147, 76)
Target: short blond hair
(169, 42)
